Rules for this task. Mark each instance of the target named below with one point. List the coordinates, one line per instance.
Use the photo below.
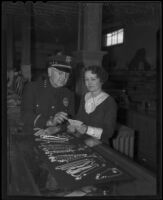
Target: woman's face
(92, 82)
(58, 78)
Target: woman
(98, 110)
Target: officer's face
(58, 78)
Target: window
(114, 38)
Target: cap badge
(65, 101)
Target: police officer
(46, 102)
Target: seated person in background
(46, 103)
(98, 110)
(15, 85)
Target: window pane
(120, 36)
(108, 40)
(114, 38)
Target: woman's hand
(91, 142)
(82, 129)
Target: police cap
(61, 62)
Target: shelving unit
(141, 113)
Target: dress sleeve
(109, 121)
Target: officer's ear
(49, 71)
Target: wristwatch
(86, 129)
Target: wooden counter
(24, 180)
(145, 181)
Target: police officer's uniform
(41, 101)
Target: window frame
(104, 45)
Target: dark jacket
(41, 99)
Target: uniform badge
(65, 101)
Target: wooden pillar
(89, 40)
(92, 26)
(91, 23)
(26, 41)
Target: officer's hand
(81, 129)
(59, 118)
(70, 128)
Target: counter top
(135, 180)
(36, 162)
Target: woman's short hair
(98, 70)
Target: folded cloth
(75, 122)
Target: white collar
(92, 102)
